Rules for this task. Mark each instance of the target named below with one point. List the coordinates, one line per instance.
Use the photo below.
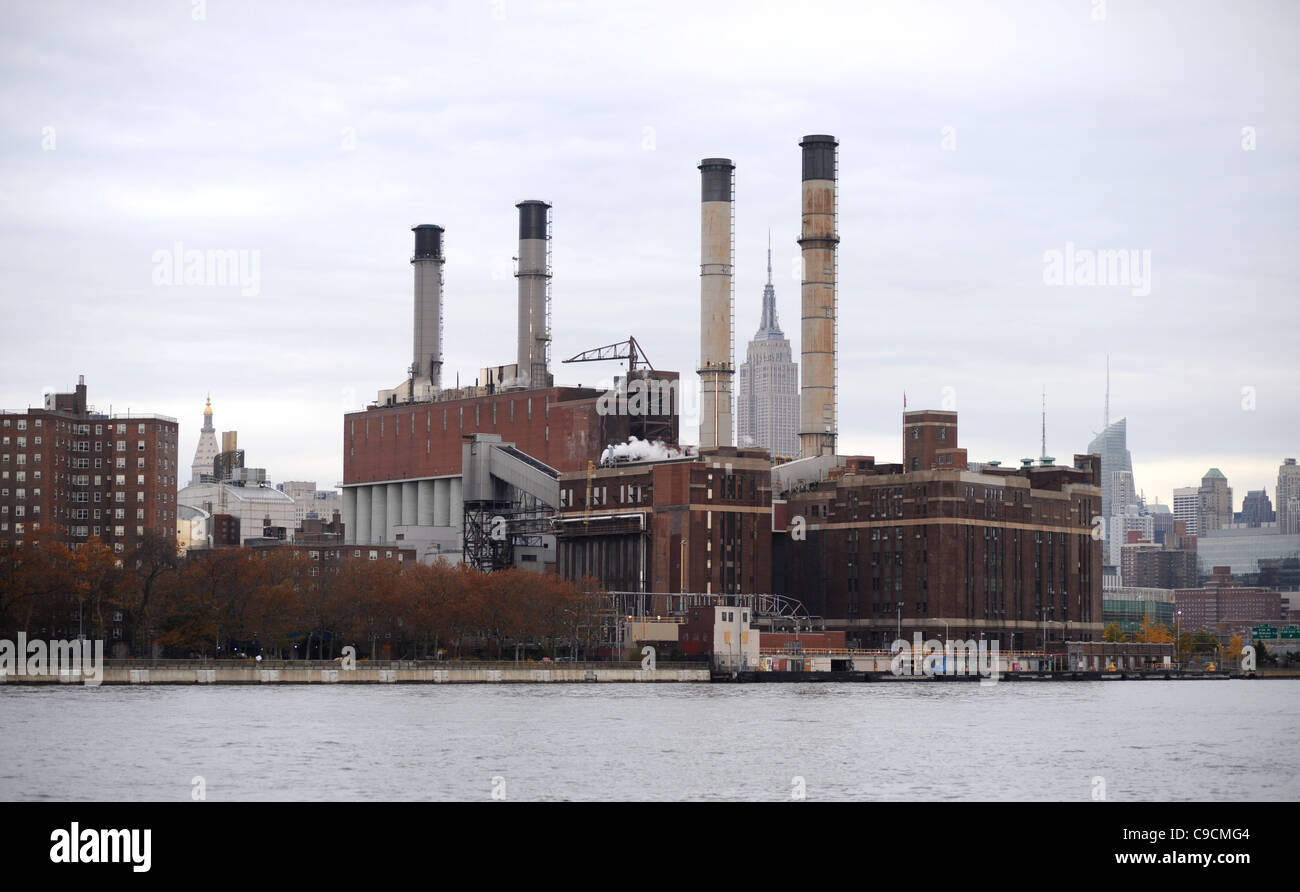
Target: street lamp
(1177, 623)
(900, 621)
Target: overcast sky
(974, 139)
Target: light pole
(1177, 624)
(900, 621)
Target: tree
(1113, 633)
(1154, 633)
(156, 556)
(1235, 644)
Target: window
(121, 445)
(139, 462)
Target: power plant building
(1003, 554)
(472, 472)
(516, 471)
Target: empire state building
(768, 386)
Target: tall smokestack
(534, 276)
(427, 261)
(716, 256)
(818, 335)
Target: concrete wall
(251, 674)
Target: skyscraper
(1256, 509)
(1187, 508)
(1117, 490)
(207, 449)
(1288, 497)
(1216, 501)
(768, 399)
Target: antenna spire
(769, 255)
(1043, 454)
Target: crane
(629, 350)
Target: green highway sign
(1291, 631)
(1263, 632)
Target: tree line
(279, 602)
(1199, 643)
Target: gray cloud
(234, 133)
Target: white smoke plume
(636, 449)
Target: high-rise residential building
(768, 400)
(1187, 508)
(1288, 497)
(68, 473)
(1216, 501)
(207, 449)
(1256, 509)
(1224, 605)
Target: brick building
(698, 524)
(70, 473)
(1000, 553)
(402, 464)
(1224, 605)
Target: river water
(1146, 740)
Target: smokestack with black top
(716, 258)
(534, 277)
(426, 370)
(818, 241)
